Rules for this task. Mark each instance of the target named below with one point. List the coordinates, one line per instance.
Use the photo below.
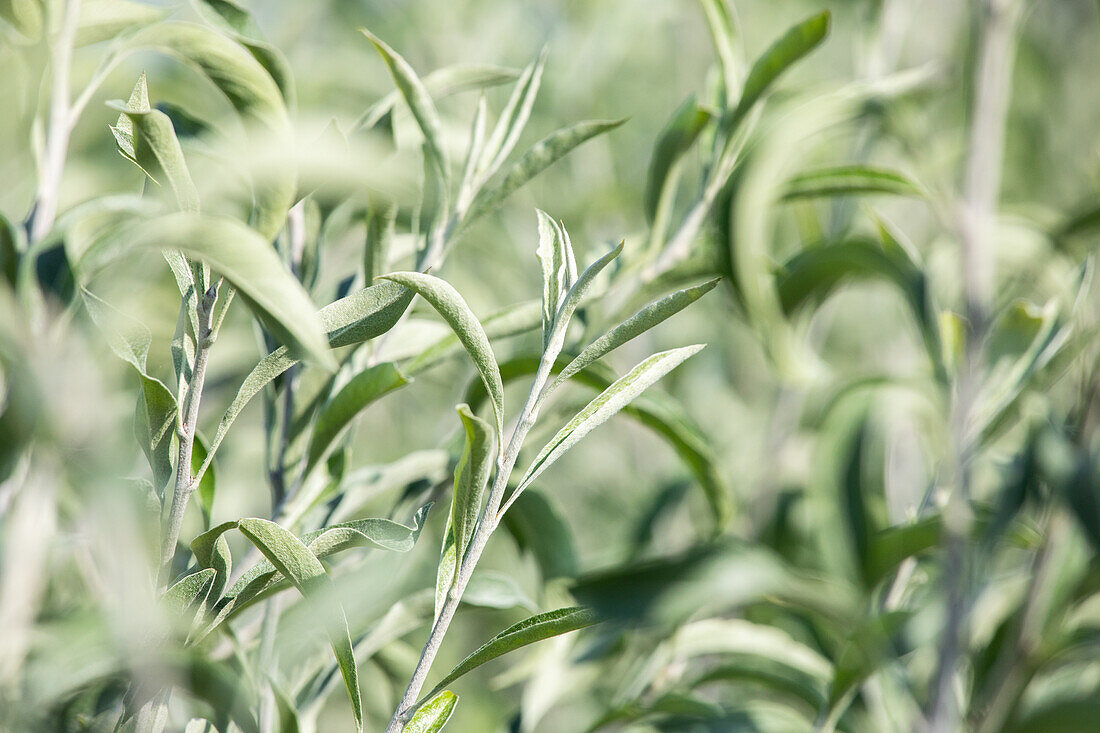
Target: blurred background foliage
(812, 592)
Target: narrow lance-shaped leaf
(294, 560)
(359, 317)
(250, 89)
(418, 99)
(146, 136)
(606, 404)
(554, 342)
(555, 272)
(471, 476)
(189, 591)
(434, 714)
(540, 157)
(722, 23)
(363, 389)
(847, 180)
(675, 140)
(454, 310)
(798, 41)
(512, 119)
(249, 263)
(156, 410)
(636, 325)
(536, 628)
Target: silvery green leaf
(248, 262)
(631, 328)
(149, 141)
(724, 33)
(469, 184)
(419, 101)
(454, 310)
(674, 141)
(447, 568)
(540, 157)
(207, 487)
(530, 630)
(555, 271)
(250, 89)
(102, 20)
(359, 317)
(538, 526)
(295, 561)
(555, 339)
(606, 404)
(379, 237)
(156, 411)
(471, 476)
(513, 119)
(849, 180)
(798, 41)
(363, 389)
(189, 591)
(24, 15)
(433, 715)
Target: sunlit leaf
(434, 714)
(454, 310)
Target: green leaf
(251, 91)
(798, 41)
(848, 180)
(555, 255)
(102, 20)
(191, 590)
(454, 310)
(156, 411)
(724, 33)
(540, 157)
(294, 560)
(211, 550)
(447, 568)
(552, 342)
(512, 120)
(530, 630)
(538, 526)
(434, 714)
(419, 101)
(207, 482)
(364, 388)
(636, 325)
(471, 476)
(11, 246)
(605, 405)
(23, 15)
(359, 317)
(677, 137)
(815, 273)
(146, 137)
(249, 263)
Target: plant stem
(185, 483)
(982, 185)
(59, 127)
(490, 519)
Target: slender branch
(490, 519)
(982, 186)
(185, 484)
(58, 128)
